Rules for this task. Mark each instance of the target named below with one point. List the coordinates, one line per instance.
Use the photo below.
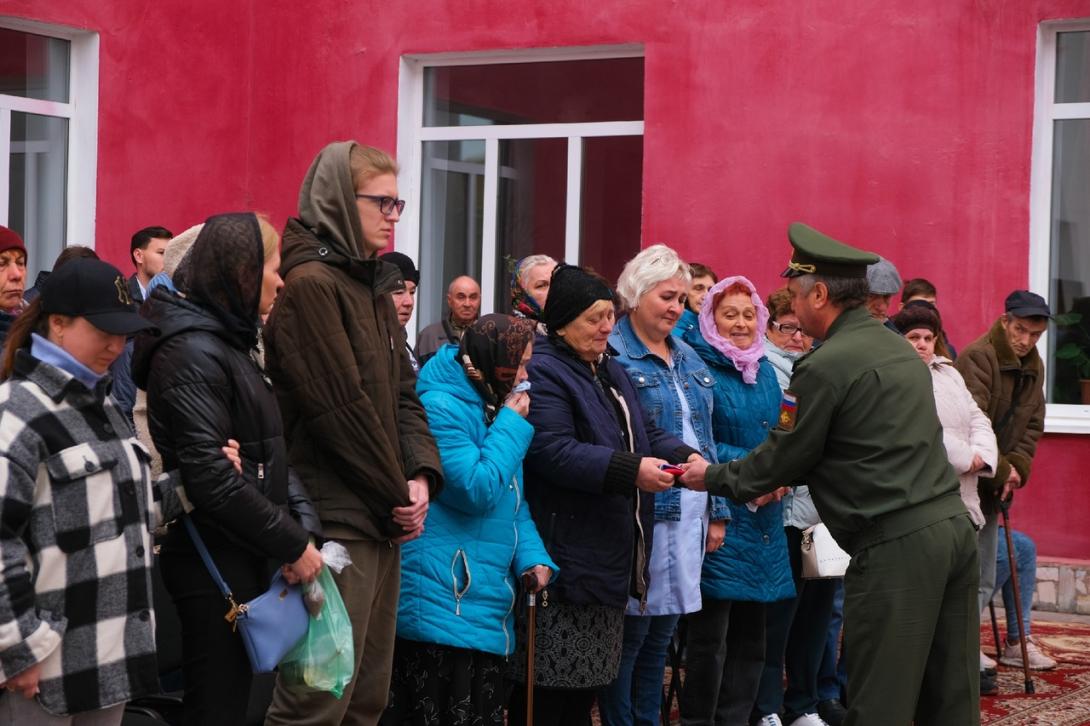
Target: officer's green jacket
(865, 437)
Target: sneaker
(832, 712)
(1038, 661)
(986, 663)
(770, 720)
(988, 686)
(809, 719)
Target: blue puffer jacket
(752, 564)
(458, 580)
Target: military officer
(858, 423)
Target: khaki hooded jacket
(356, 430)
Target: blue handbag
(271, 624)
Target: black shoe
(832, 712)
(988, 686)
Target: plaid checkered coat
(76, 504)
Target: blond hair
(367, 162)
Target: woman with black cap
(591, 470)
(204, 383)
(76, 498)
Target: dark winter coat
(580, 477)
(203, 388)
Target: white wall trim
(1059, 418)
(532, 131)
(573, 218)
(528, 55)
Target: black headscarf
(223, 271)
(490, 353)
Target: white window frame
(412, 134)
(1059, 418)
(82, 114)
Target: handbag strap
(203, 551)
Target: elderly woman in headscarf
(205, 386)
(530, 282)
(726, 641)
(455, 625)
(591, 474)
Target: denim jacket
(654, 382)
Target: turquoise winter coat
(752, 564)
(459, 579)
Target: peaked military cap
(819, 254)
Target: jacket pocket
(84, 495)
(460, 577)
(649, 390)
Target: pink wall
(902, 126)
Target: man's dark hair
(143, 238)
(844, 292)
(74, 252)
(917, 286)
(698, 270)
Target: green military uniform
(863, 432)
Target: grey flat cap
(882, 278)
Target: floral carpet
(1061, 697)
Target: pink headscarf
(747, 361)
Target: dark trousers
(795, 634)
(724, 658)
(552, 706)
(912, 629)
(215, 667)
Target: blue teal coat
(459, 579)
(752, 564)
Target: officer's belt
(906, 521)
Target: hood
(443, 373)
(327, 201)
(300, 245)
(173, 315)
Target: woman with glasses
(358, 436)
(795, 628)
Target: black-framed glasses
(386, 205)
(787, 328)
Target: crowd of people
(645, 458)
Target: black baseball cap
(95, 290)
(1026, 304)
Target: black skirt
(437, 685)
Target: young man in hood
(357, 434)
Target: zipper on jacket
(459, 594)
(260, 471)
(641, 583)
(506, 581)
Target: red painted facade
(904, 127)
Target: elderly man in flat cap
(858, 424)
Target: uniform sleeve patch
(789, 408)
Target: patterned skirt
(435, 685)
(577, 646)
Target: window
(506, 155)
(48, 127)
(1060, 218)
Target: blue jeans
(1025, 556)
(635, 697)
(796, 633)
(832, 676)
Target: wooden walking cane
(995, 629)
(529, 581)
(1004, 507)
